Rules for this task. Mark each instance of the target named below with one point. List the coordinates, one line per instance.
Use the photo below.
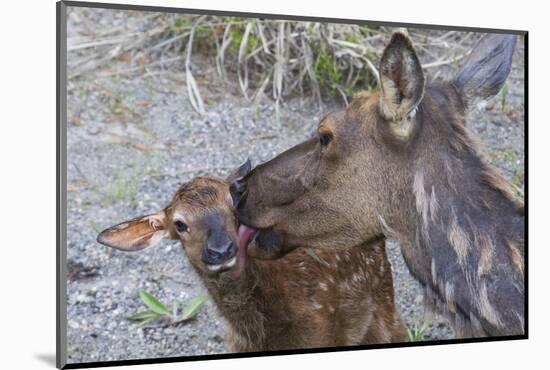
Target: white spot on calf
(316, 304)
(323, 286)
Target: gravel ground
(132, 139)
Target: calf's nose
(218, 252)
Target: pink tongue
(245, 234)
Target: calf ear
(401, 84)
(486, 68)
(243, 170)
(237, 182)
(136, 234)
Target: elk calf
(303, 300)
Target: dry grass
(272, 58)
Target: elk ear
(401, 84)
(243, 170)
(486, 68)
(136, 234)
(237, 181)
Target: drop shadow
(47, 358)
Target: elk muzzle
(220, 249)
(264, 244)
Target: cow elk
(304, 300)
(400, 162)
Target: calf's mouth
(224, 266)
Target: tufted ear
(136, 234)
(485, 70)
(401, 84)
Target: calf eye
(180, 226)
(324, 139)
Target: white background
(27, 205)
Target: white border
(28, 181)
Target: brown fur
(421, 180)
(499, 183)
(304, 300)
(515, 256)
(298, 302)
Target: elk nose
(216, 253)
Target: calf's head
(355, 176)
(200, 215)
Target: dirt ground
(133, 138)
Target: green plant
(365, 30)
(508, 155)
(416, 332)
(237, 34)
(157, 311)
(327, 72)
(350, 37)
(181, 23)
(274, 57)
(517, 178)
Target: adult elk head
(354, 180)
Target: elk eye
(324, 139)
(180, 226)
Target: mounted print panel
(251, 184)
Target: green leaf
(153, 303)
(143, 315)
(193, 307)
(413, 334)
(410, 335)
(145, 322)
(416, 332)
